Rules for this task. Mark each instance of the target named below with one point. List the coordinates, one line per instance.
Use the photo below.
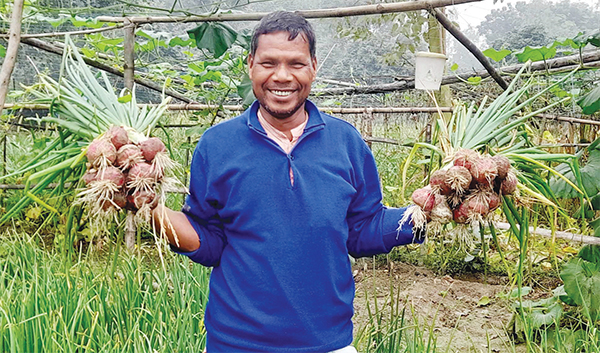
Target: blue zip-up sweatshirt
(282, 280)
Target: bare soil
(462, 317)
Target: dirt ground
(464, 320)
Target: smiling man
(282, 72)
(279, 196)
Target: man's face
(281, 71)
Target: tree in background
(537, 22)
(518, 38)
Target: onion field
(500, 169)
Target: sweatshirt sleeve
(201, 209)
(373, 228)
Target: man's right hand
(177, 227)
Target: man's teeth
(282, 93)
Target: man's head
(289, 22)
(282, 64)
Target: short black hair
(284, 21)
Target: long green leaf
(409, 159)
(543, 166)
(39, 201)
(35, 161)
(60, 167)
(25, 200)
(71, 126)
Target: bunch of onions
(467, 190)
(123, 175)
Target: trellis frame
(129, 24)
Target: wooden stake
(2, 199)
(128, 75)
(130, 230)
(11, 51)
(444, 21)
(571, 138)
(129, 54)
(437, 44)
(367, 119)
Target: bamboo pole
(591, 59)
(381, 8)
(129, 77)
(569, 119)
(27, 106)
(382, 140)
(570, 61)
(130, 230)
(239, 108)
(330, 110)
(563, 145)
(60, 34)
(386, 111)
(367, 122)
(11, 51)
(98, 55)
(567, 62)
(585, 239)
(471, 47)
(129, 54)
(334, 82)
(4, 170)
(22, 186)
(4, 143)
(436, 38)
(40, 44)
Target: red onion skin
(112, 174)
(101, 148)
(445, 190)
(465, 158)
(458, 177)
(477, 205)
(503, 166)
(151, 147)
(509, 185)
(485, 171)
(438, 182)
(140, 198)
(130, 203)
(425, 198)
(494, 201)
(90, 176)
(118, 136)
(119, 199)
(128, 155)
(141, 170)
(461, 213)
(419, 196)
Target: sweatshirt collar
(315, 119)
